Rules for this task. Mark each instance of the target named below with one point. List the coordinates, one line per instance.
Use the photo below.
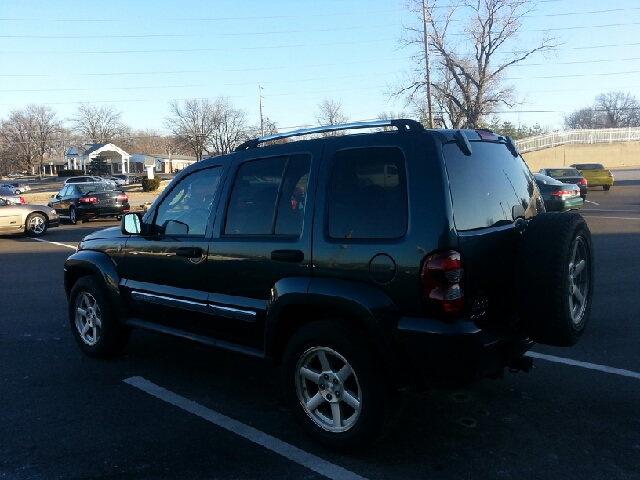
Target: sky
(138, 55)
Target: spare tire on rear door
(555, 278)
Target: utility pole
(261, 117)
(426, 56)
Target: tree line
(32, 136)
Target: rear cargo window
(489, 187)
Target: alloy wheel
(578, 280)
(328, 389)
(88, 318)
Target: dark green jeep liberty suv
(363, 263)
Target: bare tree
(583, 118)
(207, 127)
(468, 71)
(48, 129)
(30, 135)
(330, 113)
(618, 109)
(98, 124)
(230, 127)
(610, 110)
(192, 122)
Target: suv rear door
(492, 192)
(262, 236)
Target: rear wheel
(73, 216)
(35, 225)
(556, 278)
(96, 329)
(606, 187)
(335, 387)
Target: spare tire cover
(555, 278)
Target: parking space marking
(54, 243)
(316, 464)
(590, 366)
(612, 218)
(589, 201)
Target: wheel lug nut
(335, 381)
(321, 386)
(326, 377)
(329, 397)
(337, 394)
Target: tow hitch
(524, 364)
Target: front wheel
(35, 225)
(335, 387)
(95, 327)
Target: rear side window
(269, 197)
(368, 194)
(489, 187)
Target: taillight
(88, 200)
(563, 193)
(442, 284)
(583, 181)
(611, 174)
(22, 200)
(123, 197)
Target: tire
(95, 327)
(328, 370)
(606, 187)
(556, 278)
(36, 225)
(73, 216)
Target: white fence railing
(604, 135)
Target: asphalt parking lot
(168, 408)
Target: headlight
(53, 212)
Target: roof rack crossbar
(400, 124)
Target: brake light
(442, 284)
(611, 174)
(563, 193)
(123, 197)
(583, 181)
(88, 200)
(22, 200)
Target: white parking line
(612, 218)
(294, 454)
(589, 201)
(54, 243)
(590, 366)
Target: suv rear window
(368, 194)
(481, 198)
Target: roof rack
(400, 124)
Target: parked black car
(558, 196)
(363, 264)
(567, 175)
(84, 201)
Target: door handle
(294, 256)
(189, 252)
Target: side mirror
(131, 224)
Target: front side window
(368, 194)
(187, 208)
(269, 197)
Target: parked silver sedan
(32, 220)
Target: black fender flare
(99, 264)
(375, 311)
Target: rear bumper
(455, 354)
(563, 205)
(84, 212)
